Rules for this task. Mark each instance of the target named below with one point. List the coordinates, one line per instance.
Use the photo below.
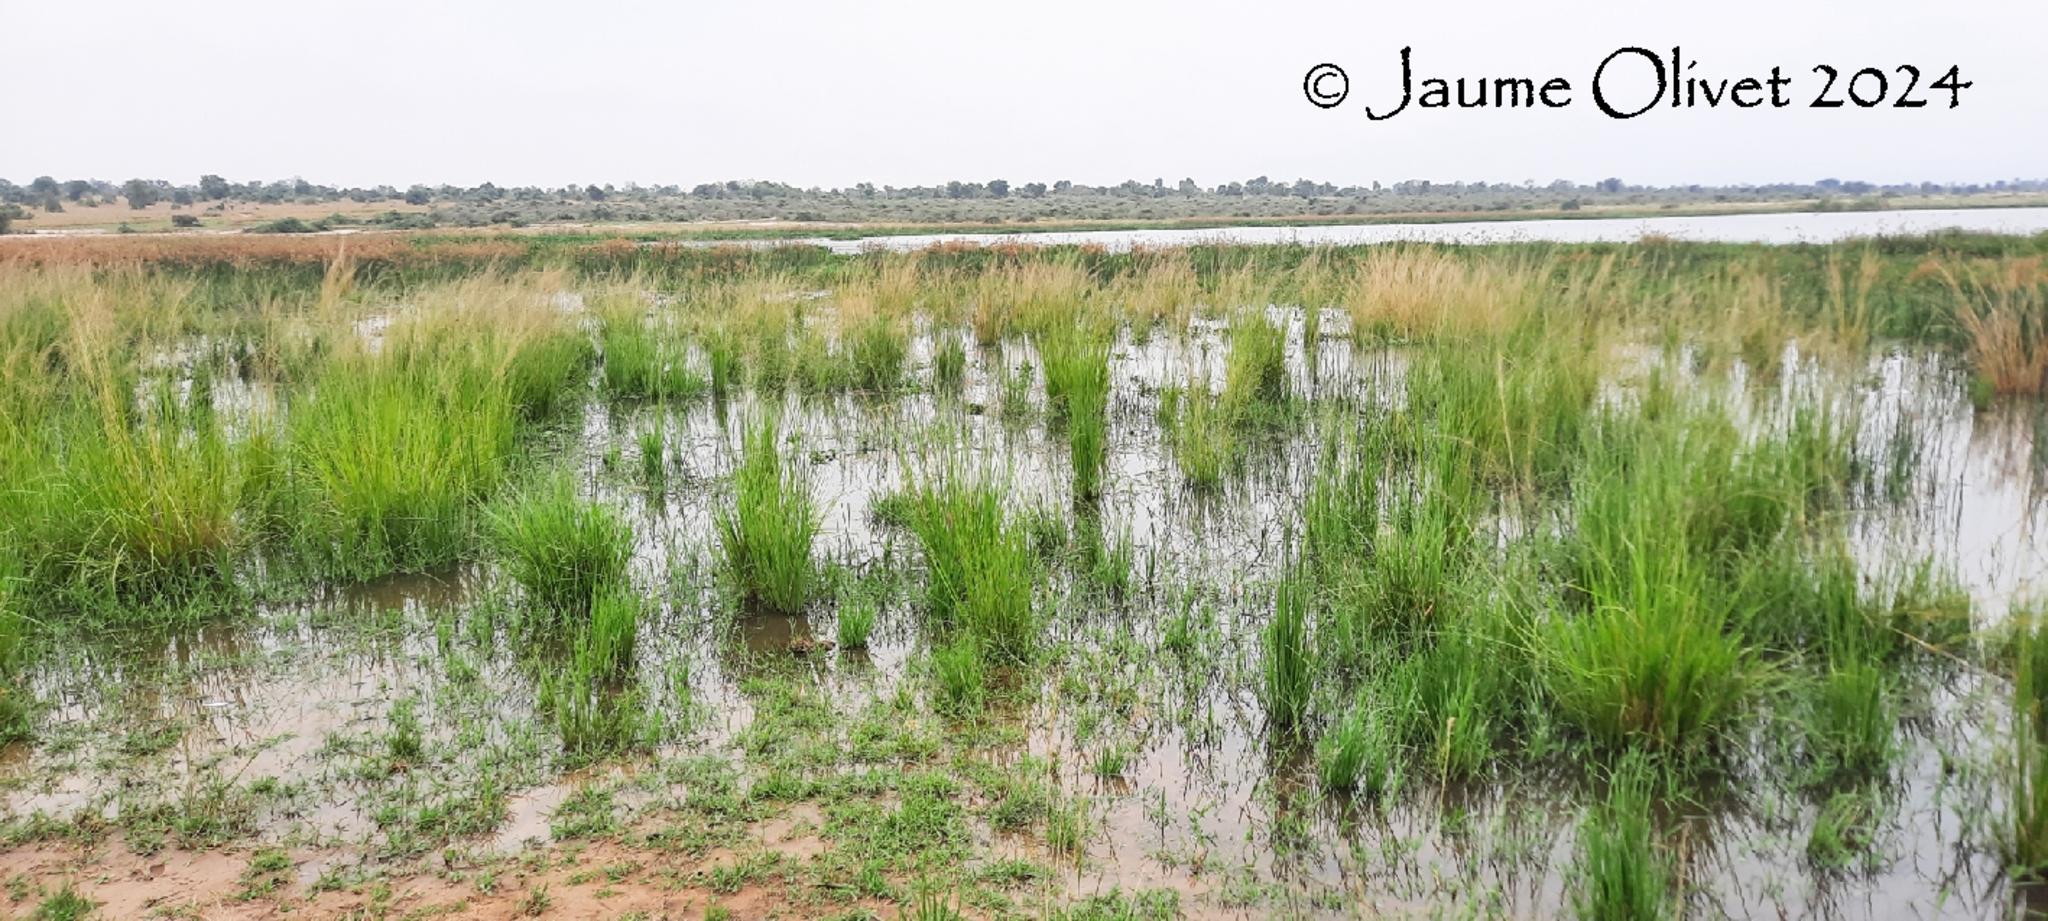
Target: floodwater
(1204, 806)
(1787, 227)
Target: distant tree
(43, 187)
(418, 195)
(1032, 190)
(593, 193)
(212, 187)
(6, 218)
(53, 204)
(76, 189)
(1064, 185)
(181, 197)
(999, 188)
(1610, 185)
(1188, 187)
(141, 193)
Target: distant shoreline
(358, 221)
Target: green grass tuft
(770, 526)
(562, 550)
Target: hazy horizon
(917, 94)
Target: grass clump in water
(394, 460)
(949, 363)
(981, 574)
(1360, 754)
(1076, 359)
(16, 714)
(1255, 372)
(856, 621)
(643, 362)
(1655, 658)
(2026, 822)
(1287, 666)
(563, 551)
(1623, 874)
(1203, 432)
(960, 675)
(770, 526)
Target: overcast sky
(362, 92)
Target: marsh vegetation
(1618, 581)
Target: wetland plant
(15, 711)
(1850, 728)
(1623, 874)
(641, 362)
(768, 530)
(959, 675)
(609, 636)
(856, 621)
(653, 456)
(1076, 359)
(562, 550)
(949, 362)
(1255, 371)
(394, 457)
(1359, 754)
(1657, 657)
(1340, 515)
(1287, 665)
(1203, 432)
(981, 576)
(722, 352)
(593, 715)
(2026, 821)
(876, 347)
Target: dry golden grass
(2002, 306)
(1027, 296)
(1423, 293)
(1847, 309)
(1160, 287)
